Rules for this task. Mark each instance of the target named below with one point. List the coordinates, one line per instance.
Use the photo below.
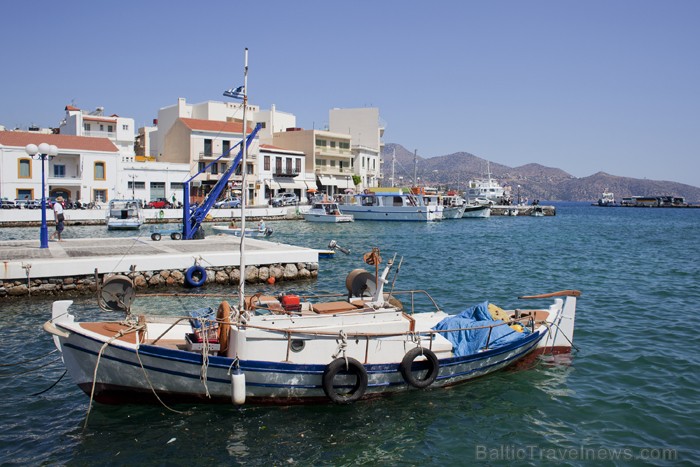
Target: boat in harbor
(327, 212)
(124, 214)
(257, 232)
(476, 211)
(607, 199)
(292, 349)
(486, 191)
(390, 206)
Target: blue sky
(585, 86)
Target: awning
(290, 185)
(342, 181)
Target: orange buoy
(271, 280)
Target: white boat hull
(388, 213)
(477, 212)
(250, 233)
(328, 218)
(127, 372)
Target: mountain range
(535, 181)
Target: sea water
(628, 395)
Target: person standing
(58, 217)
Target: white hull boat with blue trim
(391, 207)
(291, 349)
(124, 214)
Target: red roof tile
(23, 138)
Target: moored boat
(476, 211)
(326, 211)
(390, 206)
(124, 214)
(260, 231)
(293, 350)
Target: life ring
(432, 363)
(223, 317)
(161, 214)
(189, 276)
(353, 368)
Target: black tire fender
(354, 368)
(431, 361)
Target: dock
(523, 210)
(28, 269)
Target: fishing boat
(476, 211)
(294, 349)
(453, 206)
(390, 206)
(124, 214)
(326, 211)
(257, 232)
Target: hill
(535, 181)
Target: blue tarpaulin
(468, 341)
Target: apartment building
(84, 170)
(94, 124)
(366, 130)
(328, 156)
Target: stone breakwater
(86, 285)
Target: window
(226, 147)
(59, 171)
(333, 144)
(24, 168)
(26, 193)
(278, 165)
(263, 125)
(157, 190)
(86, 126)
(100, 171)
(99, 196)
(321, 142)
(176, 186)
(266, 162)
(207, 148)
(214, 169)
(200, 166)
(298, 164)
(125, 127)
(110, 128)
(343, 145)
(137, 185)
(102, 127)
(289, 165)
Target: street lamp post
(43, 151)
(518, 195)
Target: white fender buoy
(238, 387)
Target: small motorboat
(326, 211)
(124, 214)
(257, 232)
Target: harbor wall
(159, 279)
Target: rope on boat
(153, 390)
(204, 326)
(50, 387)
(30, 360)
(30, 370)
(342, 347)
(119, 334)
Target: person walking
(58, 217)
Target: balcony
(285, 173)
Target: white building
(85, 169)
(366, 130)
(95, 124)
(149, 181)
(282, 170)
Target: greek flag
(237, 93)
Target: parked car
(159, 203)
(285, 199)
(7, 204)
(28, 203)
(228, 203)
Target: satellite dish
(360, 283)
(116, 294)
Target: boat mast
(415, 167)
(393, 168)
(244, 188)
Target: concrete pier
(27, 269)
(522, 210)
